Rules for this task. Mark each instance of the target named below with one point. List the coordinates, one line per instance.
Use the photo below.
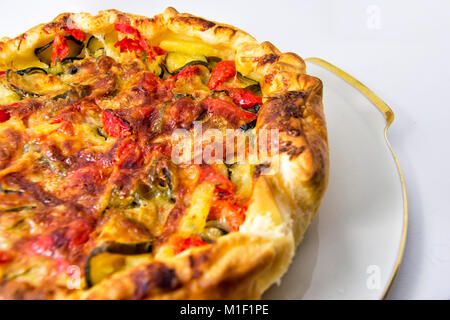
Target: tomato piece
(65, 127)
(5, 257)
(128, 44)
(228, 110)
(188, 72)
(76, 33)
(4, 116)
(149, 82)
(244, 97)
(229, 211)
(43, 245)
(223, 71)
(77, 234)
(60, 48)
(224, 203)
(113, 125)
(129, 155)
(144, 112)
(181, 244)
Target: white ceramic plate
(353, 248)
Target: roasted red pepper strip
(127, 29)
(113, 125)
(138, 44)
(244, 97)
(223, 71)
(228, 110)
(76, 33)
(128, 44)
(4, 116)
(60, 48)
(153, 51)
(181, 244)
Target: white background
(399, 49)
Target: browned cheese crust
(243, 264)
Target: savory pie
(93, 204)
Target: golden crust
(241, 265)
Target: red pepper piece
(228, 110)
(129, 155)
(4, 116)
(113, 125)
(223, 71)
(188, 72)
(60, 48)
(42, 245)
(128, 44)
(231, 212)
(127, 29)
(244, 97)
(181, 244)
(138, 44)
(78, 233)
(76, 33)
(153, 51)
(5, 257)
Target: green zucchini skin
(71, 59)
(118, 248)
(8, 191)
(213, 61)
(31, 70)
(220, 229)
(255, 88)
(93, 45)
(18, 209)
(192, 63)
(21, 92)
(172, 57)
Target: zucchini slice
(14, 83)
(44, 53)
(249, 84)
(31, 70)
(18, 209)
(212, 61)
(213, 230)
(95, 47)
(157, 69)
(177, 61)
(248, 125)
(99, 266)
(9, 191)
(34, 85)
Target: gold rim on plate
(389, 116)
